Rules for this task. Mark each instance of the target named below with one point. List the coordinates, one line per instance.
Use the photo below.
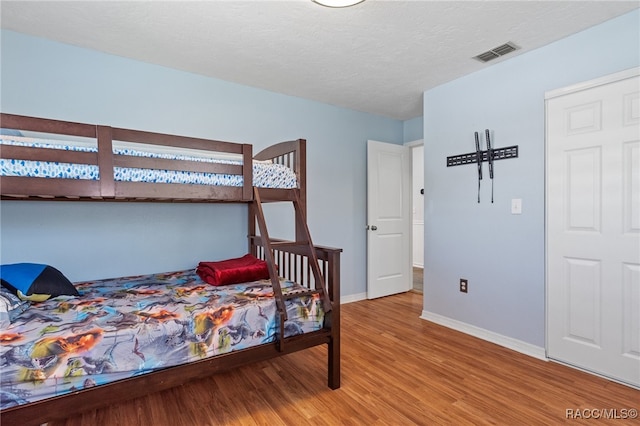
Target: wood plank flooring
(418, 278)
(396, 370)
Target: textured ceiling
(377, 57)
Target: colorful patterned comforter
(265, 174)
(123, 327)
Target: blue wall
(96, 240)
(502, 255)
(413, 130)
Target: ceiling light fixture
(337, 3)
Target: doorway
(417, 213)
(390, 207)
(388, 219)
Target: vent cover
(496, 52)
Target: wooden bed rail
(293, 265)
(106, 188)
(291, 154)
(44, 125)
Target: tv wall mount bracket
(479, 156)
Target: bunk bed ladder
(306, 247)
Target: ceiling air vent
(496, 52)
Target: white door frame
(411, 145)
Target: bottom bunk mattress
(123, 327)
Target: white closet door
(593, 227)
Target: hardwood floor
(418, 278)
(396, 370)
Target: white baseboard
(352, 298)
(508, 342)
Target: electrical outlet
(463, 285)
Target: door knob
(374, 228)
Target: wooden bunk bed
(316, 268)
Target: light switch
(516, 206)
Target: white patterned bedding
(265, 174)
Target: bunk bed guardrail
(106, 187)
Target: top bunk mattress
(123, 327)
(266, 174)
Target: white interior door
(593, 227)
(388, 219)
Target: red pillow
(232, 271)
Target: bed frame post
(333, 282)
(251, 229)
(247, 172)
(105, 161)
(301, 172)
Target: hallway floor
(418, 279)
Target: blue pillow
(35, 279)
(10, 132)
